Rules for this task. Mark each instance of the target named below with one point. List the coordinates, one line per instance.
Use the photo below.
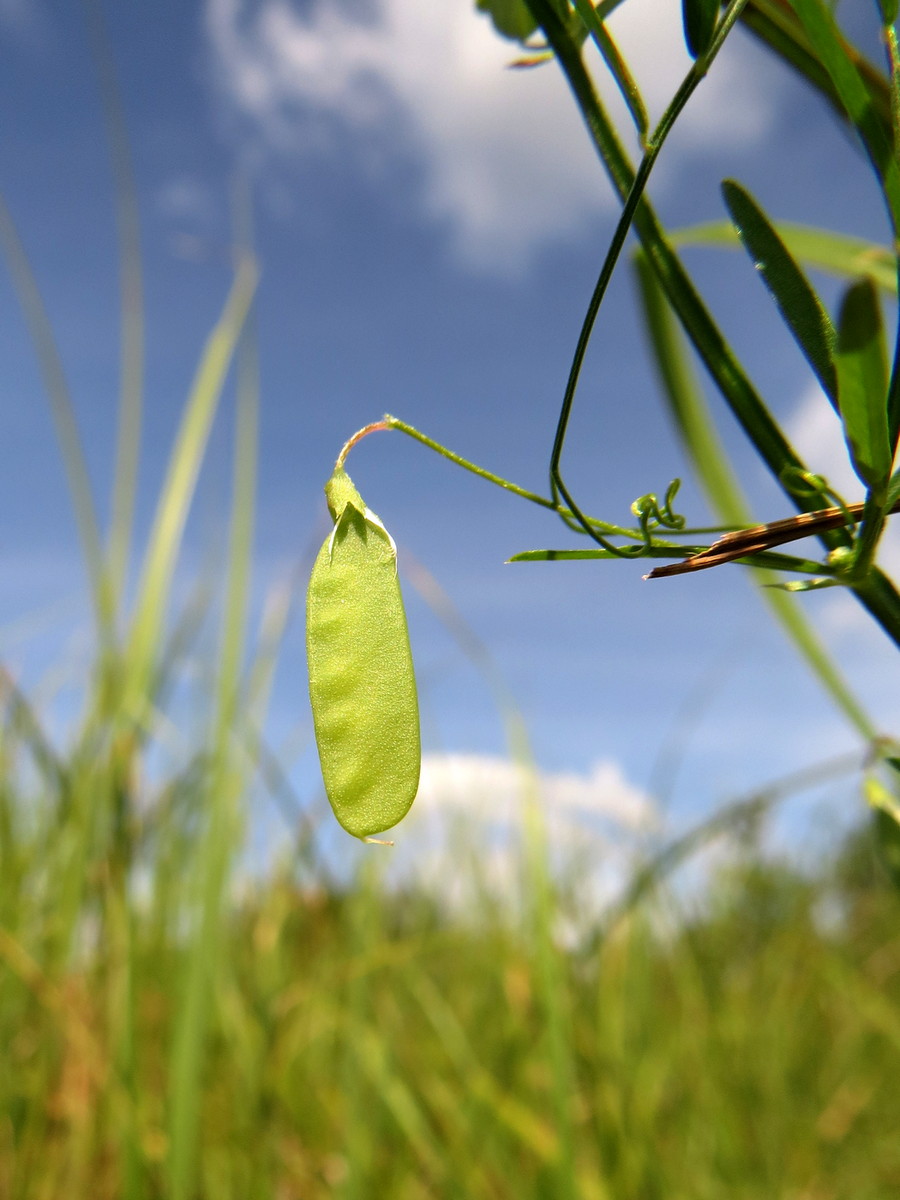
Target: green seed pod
(361, 681)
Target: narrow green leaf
(63, 412)
(512, 18)
(889, 33)
(796, 586)
(798, 304)
(765, 560)
(836, 253)
(699, 24)
(861, 360)
(596, 552)
(178, 490)
(616, 65)
(888, 11)
(839, 60)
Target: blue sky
(429, 227)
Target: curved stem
(374, 427)
(390, 422)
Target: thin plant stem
(390, 422)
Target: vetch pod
(361, 680)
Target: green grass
(363, 1043)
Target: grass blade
(229, 765)
(178, 489)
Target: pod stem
(357, 437)
(507, 485)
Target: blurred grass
(362, 1042)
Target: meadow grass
(359, 1042)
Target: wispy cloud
(27, 20)
(191, 218)
(505, 161)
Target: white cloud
(489, 790)
(505, 160)
(465, 833)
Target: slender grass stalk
(131, 288)
(177, 491)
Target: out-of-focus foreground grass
(349, 1041)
